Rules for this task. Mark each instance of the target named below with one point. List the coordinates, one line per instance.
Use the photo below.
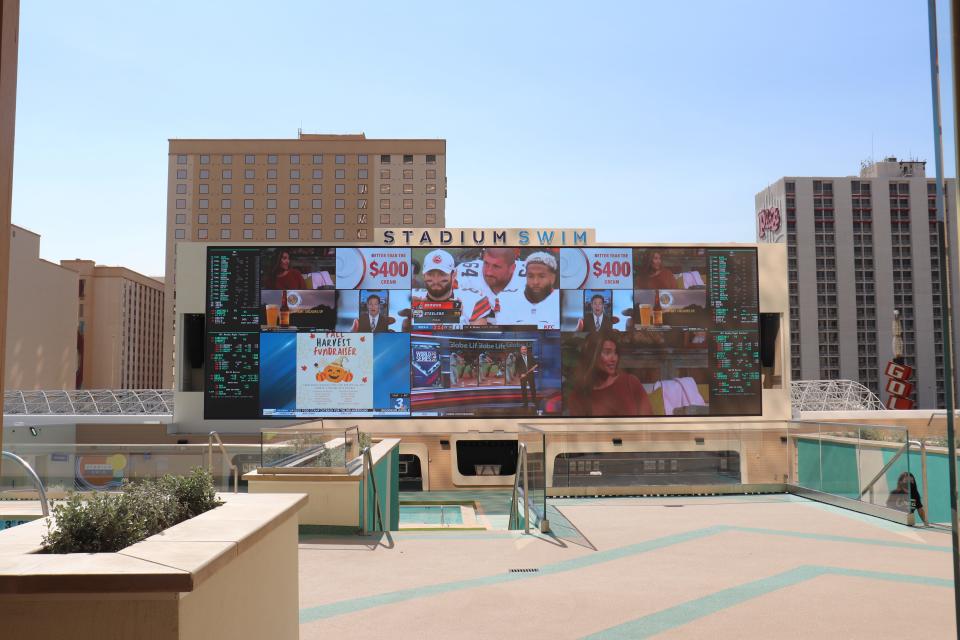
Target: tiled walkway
(724, 567)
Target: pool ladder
(44, 505)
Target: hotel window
(408, 218)
(271, 188)
(384, 187)
(294, 174)
(384, 174)
(340, 188)
(249, 159)
(407, 158)
(271, 234)
(317, 218)
(204, 188)
(249, 174)
(339, 204)
(271, 203)
(339, 218)
(384, 203)
(361, 188)
(294, 203)
(408, 204)
(408, 174)
(204, 174)
(316, 203)
(317, 188)
(384, 159)
(227, 159)
(225, 203)
(248, 188)
(384, 218)
(227, 174)
(248, 203)
(181, 204)
(181, 174)
(227, 188)
(361, 234)
(316, 234)
(181, 159)
(181, 188)
(431, 218)
(408, 188)
(271, 218)
(318, 158)
(338, 234)
(362, 203)
(224, 218)
(248, 234)
(271, 159)
(339, 159)
(318, 174)
(293, 234)
(341, 174)
(271, 174)
(224, 234)
(431, 188)
(248, 218)
(202, 218)
(361, 218)
(361, 174)
(180, 234)
(181, 218)
(362, 159)
(294, 158)
(431, 174)
(201, 234)
(204, 159)
(431, 204)
(431, 158)
(294, 188)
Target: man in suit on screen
(374, 320)
(596, 319)
(526, 367)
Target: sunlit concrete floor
(774, 566)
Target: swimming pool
(431, 514)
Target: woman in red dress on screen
(281, 276)
(602, 389)
(653, 275)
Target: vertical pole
(945, 269)
(526, 492)
(9, 30)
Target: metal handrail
(923, 469)
(44, 507)
(236, 470)
(369, 477)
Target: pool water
(432, 514)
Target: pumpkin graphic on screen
(335, 372)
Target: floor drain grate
(524, 570)
(675, 506)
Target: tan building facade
(41, 321)
(119, 330)
(313, 188)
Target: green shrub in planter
(107, 522)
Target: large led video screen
(308, 331)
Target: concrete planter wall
(228, 573)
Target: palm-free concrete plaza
(773, 566)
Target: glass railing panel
(885, 472)
(292, 448)
(804, 455)
(839, 459)
(536, 482)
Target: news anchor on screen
(374, 320)
(526, 368)
(596, 319)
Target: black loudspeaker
(769, 328)
(193, 329)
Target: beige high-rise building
(41, 320)
(119, 329)
(314, 188)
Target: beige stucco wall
(41, 330)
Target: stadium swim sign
(487, 237)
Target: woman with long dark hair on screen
(652, 274)
(601, 388)
(282, 275)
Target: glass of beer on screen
(273, 314)
(645, 312)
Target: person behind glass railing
(906, 497)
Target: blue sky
(648, 121)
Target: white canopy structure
(833, 395)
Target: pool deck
(774, 566)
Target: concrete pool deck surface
(685, 567)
